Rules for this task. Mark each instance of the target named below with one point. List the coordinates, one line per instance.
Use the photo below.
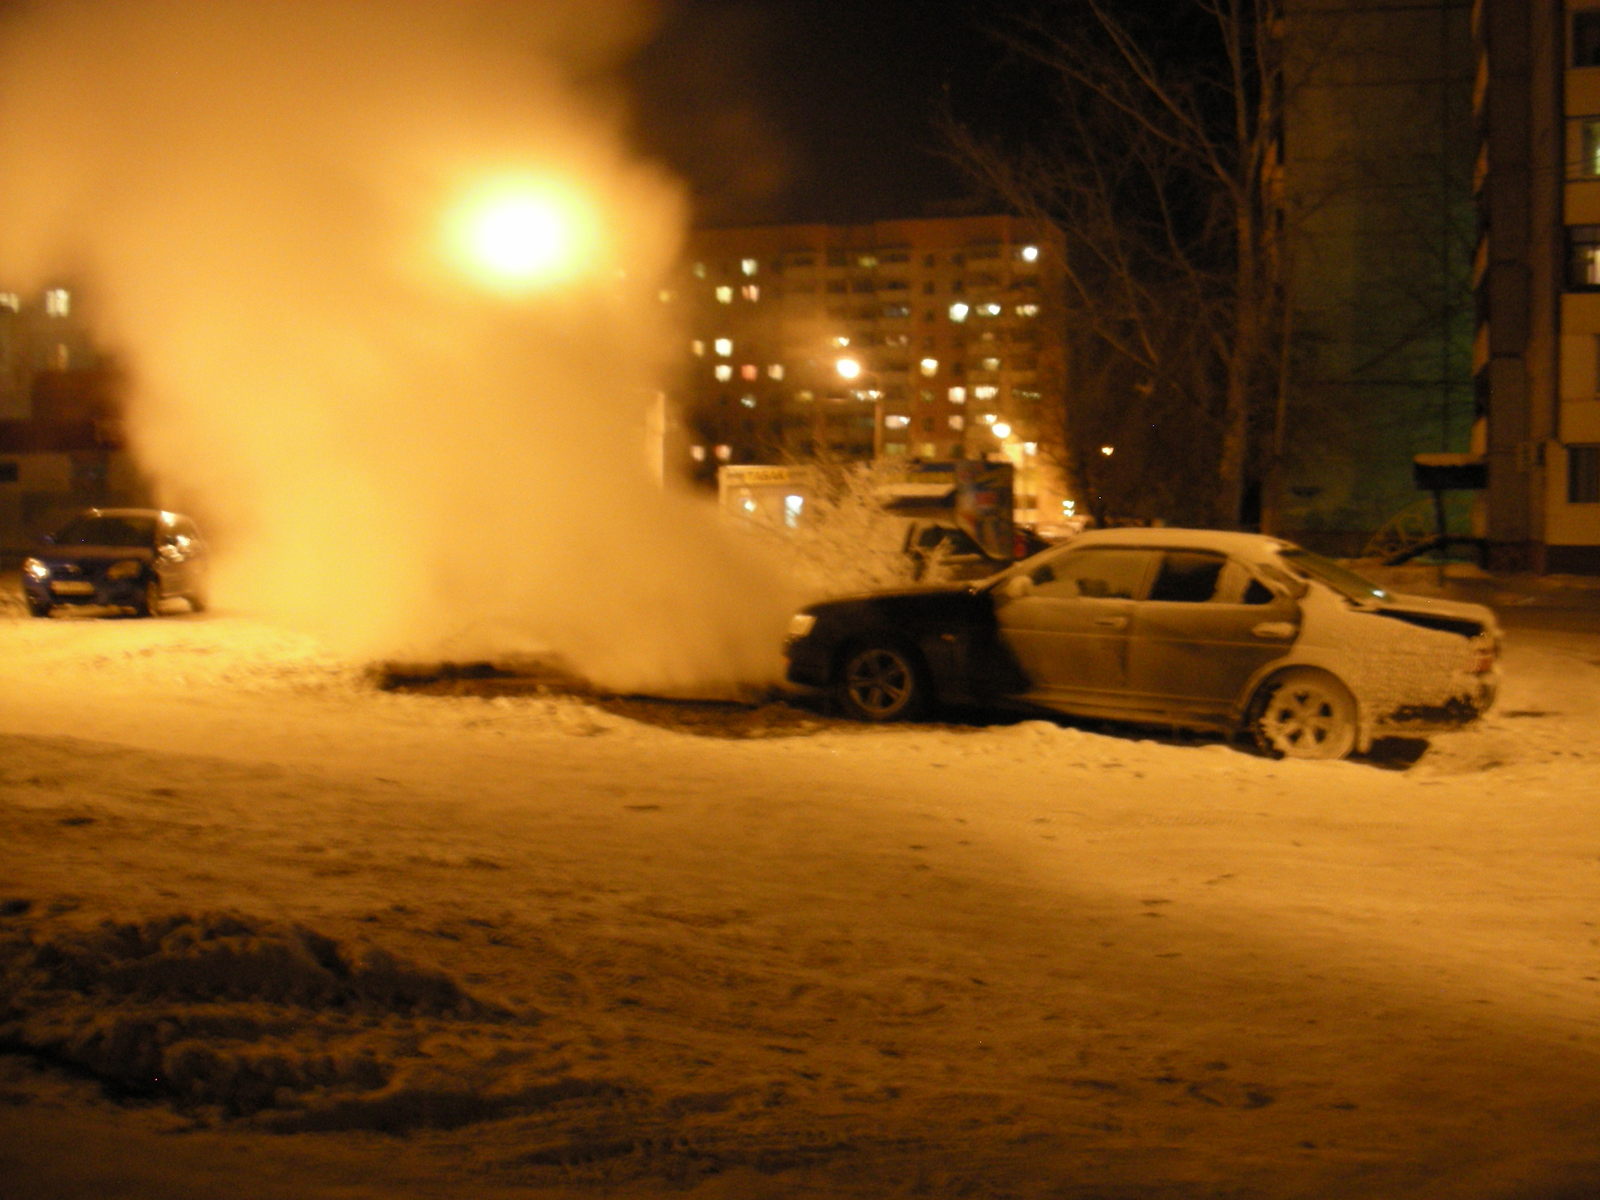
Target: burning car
(1183, 628)
(134, 558)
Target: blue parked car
(131, 558)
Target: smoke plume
(265, 205)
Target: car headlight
(128, 568)
(34, 569)
(801, 624)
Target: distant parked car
(1174, 627)
(133, 558)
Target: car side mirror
(1017, 586)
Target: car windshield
(107, 531)
(1340, 578)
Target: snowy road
(266, 931)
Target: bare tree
(1159, 167)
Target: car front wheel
(1305, 714)
(37, 608)
(882, 682)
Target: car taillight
(1484, 653)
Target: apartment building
(1536, 356)
(1375, 183)
(921, 339)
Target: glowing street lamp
(851, 369)
(523, 232)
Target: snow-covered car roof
(1254, 547)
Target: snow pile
(259, 1018)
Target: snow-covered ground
(268, 931)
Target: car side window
(1188, 577)
(1110, 574)
(1201, 577)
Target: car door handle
(1112, 622)
(1277, 630)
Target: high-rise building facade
(929, 338)
(1536, 356)
(1376, 169)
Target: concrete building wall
(1537, 356)
(1377, 160)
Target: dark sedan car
(132, 558)
(1175, 627)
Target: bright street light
(524, 232)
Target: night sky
(821, 109)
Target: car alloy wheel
(1306, 714)
(882, 683)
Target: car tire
(37, 608)
(197, 601)
(149, 604)
(1304, 713)
(882, 681)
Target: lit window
(1588, 130)
(986, 391)
(699, 270)
(988, 418)
(957, 421)
(896, 421)
(841, 342)
(805, 395)
(1027, 310)
(748, 371)
(724, 295)
(959, 311)
(1583, 257)
(958, 395)
(775, 371)
(867, 260)
(724, 453)
(748, 401)
(793, 508)
(58, 302)
(1028, 254)
(751, 292)
(929, 366)
(928, 450)
(990, 364)
(11, 301)
(749, 266)
(665, 295)
(723, 347)
(989, 310)
(723, 372)
(698, 346)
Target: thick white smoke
(263, 204)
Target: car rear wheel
(882, 682)
(150, 599)
(1305, 714)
